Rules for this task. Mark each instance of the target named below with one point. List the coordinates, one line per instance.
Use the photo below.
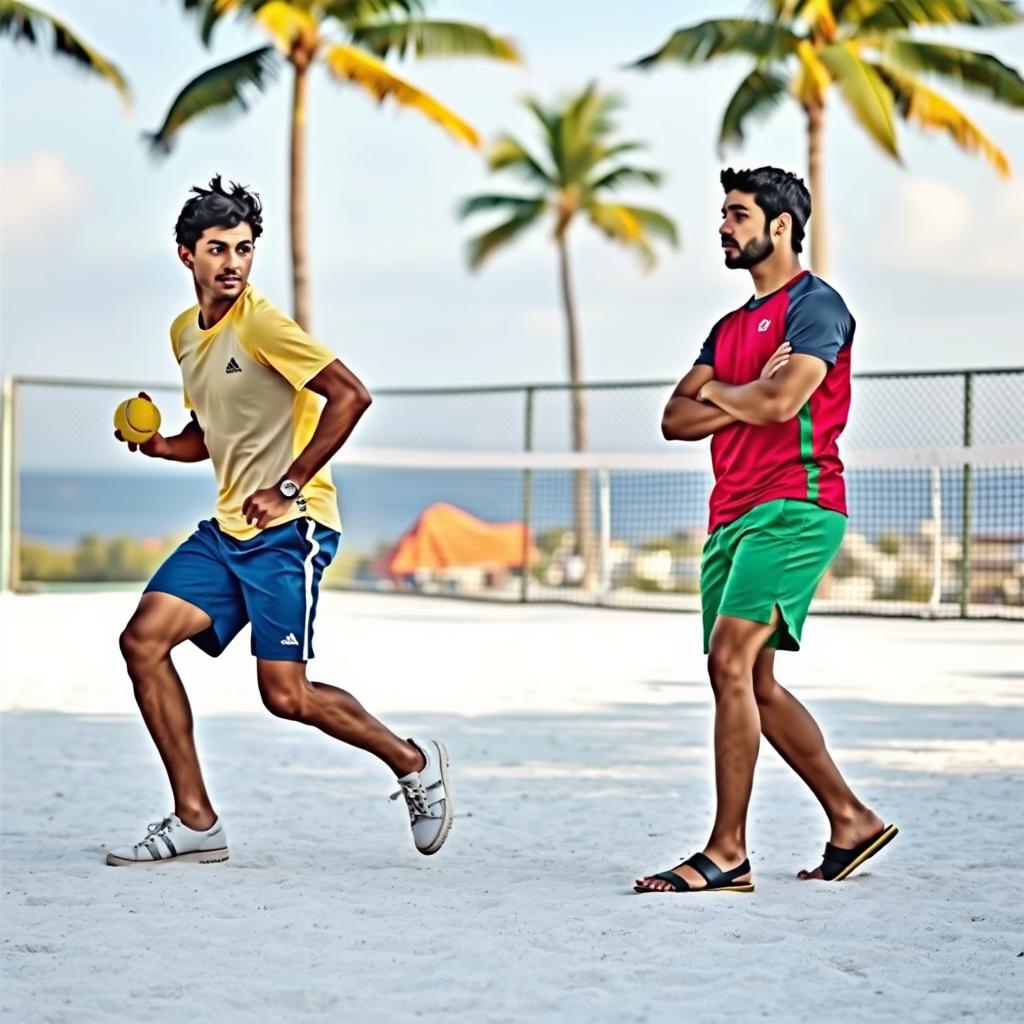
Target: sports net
(935, 529)
(931, 532)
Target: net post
(605, 525)
(936, 598)
(965, 512)
(8, 486)
(524, 586)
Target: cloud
(936, 227)
(38, 191)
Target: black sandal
(840, 862)
(717, 879)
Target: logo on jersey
(290, 641)
(761, 328)
(232, 366)
(301, 502)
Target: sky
(928, 255)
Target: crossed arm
(701, 405)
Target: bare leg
(735, 644)
(790, 729)
(287, 693)
(159, 624)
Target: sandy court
(580, 745)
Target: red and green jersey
(799, 458)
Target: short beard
(754, 252)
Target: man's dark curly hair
(218, 207)
(775, 191)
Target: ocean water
(377, 505)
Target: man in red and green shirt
(772, 387)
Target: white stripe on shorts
(314, 550)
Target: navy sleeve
(819, 324)
(707, 352)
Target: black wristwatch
(288, 489)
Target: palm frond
(551, 129)
(27, 24)
(868, 16)
(812, 80)
(656, 224)
(866, 94)
(209, 13)
(488, 202)
(483, 246)
(583, 126)
(350, 64)
(433, 39)
(920, 105)
(980, 72)
(819, 17)
(225, 88)
(508, 152)
(352, 12)
(287, 24)
(755, 97)
(624, 175)
(632, 226)
(725, 36)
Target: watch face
(289, 488)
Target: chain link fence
(931, 537)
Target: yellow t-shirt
(245, 379)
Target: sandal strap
(712, 873)
(677, 882)
(840, 855)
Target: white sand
(580, 744)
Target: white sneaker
(428, 798)
(169, 840)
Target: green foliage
(577, 171)
(349, 36)
(549, 541)
(911, 586)
(29, 25)
(93, 560)
(867, 50)
(679, 545)
(889, 544)
(649, 586)
(346, 567)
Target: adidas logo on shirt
(290, 641)
(232, 366)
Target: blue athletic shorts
(271, 580)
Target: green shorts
(773, 555)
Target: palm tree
(866, 49)
(27, 24)
(576, 174)
(302, 32)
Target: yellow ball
(138, 419)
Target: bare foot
(693, 878)
(847, 835)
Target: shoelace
(415, 799)
(154, 828)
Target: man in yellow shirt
(269, 407)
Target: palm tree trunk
(816, 173)
(300, 253)
(583, 494)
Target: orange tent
(447, 537)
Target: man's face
(744, 232)
(222, 261)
